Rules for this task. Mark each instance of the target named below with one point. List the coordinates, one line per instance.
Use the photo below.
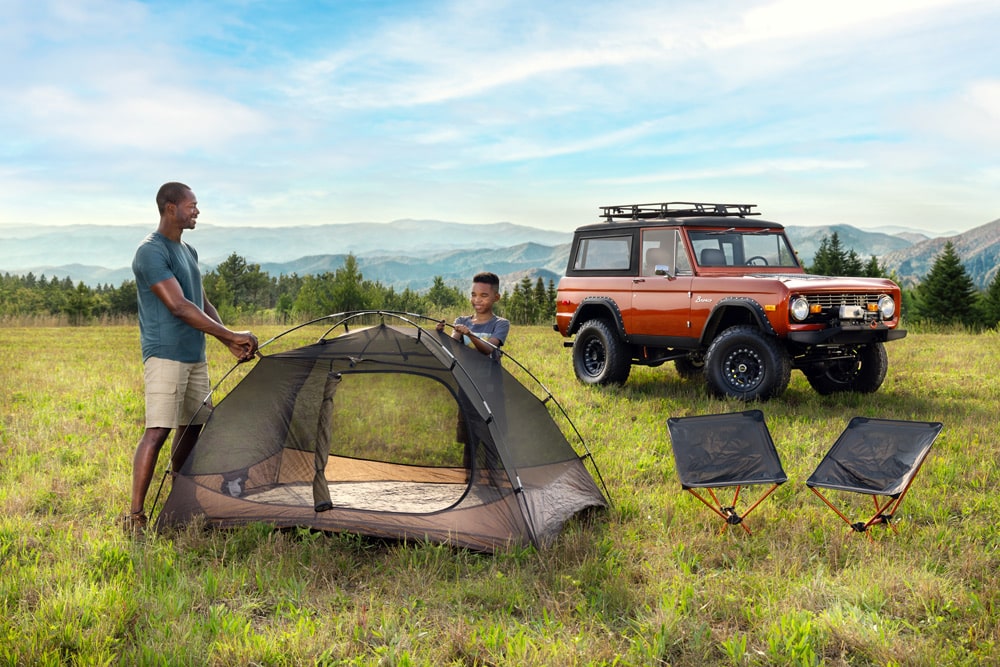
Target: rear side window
(604, 253)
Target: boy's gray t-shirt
(497, 327)
(162, 335)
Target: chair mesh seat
(877, 457)
(725, 450)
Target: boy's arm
(500, 332)
(477, 342)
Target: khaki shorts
(177, 394)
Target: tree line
(241, 291)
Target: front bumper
(847, 335)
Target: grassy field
(651, 582)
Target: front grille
(827, 301)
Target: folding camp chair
(879, 457)
(714, 451)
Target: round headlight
(800, 308)
(886, 306)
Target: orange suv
(724, 297)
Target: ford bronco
(724, 297)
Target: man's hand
(243, 345)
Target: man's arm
(242, 344)
(210, 309)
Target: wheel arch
(732, 311)
(598, 307)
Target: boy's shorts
(176, 393)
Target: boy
(483, 326)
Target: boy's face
(484, 296)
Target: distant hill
(23, 247)
(978, 248)
(455, 267)
(410, 253)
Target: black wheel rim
(743, 369)
(594, 357)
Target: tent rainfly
(389, 430)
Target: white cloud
(798, 19)
(758, 168)
(155, 118)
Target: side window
(682, 260)
(659, 248)
(604, 253)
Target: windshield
(733, 248)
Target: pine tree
(852, 265)
(821, 260)
(831, 258)
(541, 299)
(947, 294)
(441, 296)
(873, 269)
(991, 303)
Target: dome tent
(388, 430)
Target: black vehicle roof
(680, 214)
(712, 222)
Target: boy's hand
(439, 326)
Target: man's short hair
(171, 193)
(487, 278)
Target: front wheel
(746, 364)
(598, 356)
(861, 370)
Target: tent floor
(408, 497)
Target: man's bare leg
(143, 466)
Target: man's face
(483, 297)
(186, 211)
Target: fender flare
(600, 302)
(751, 306)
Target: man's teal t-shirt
(162, 335)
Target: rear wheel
(862, 370)
(744, 363)
(598, 356)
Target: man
(174, 316)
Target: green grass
(650, 583)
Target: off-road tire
(598, 356)
(863, 374)
(745, 364)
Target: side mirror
(663, 270)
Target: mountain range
(410, 253)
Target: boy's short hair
(487, 278)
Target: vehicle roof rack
(675, 209)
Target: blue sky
(870, 113)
